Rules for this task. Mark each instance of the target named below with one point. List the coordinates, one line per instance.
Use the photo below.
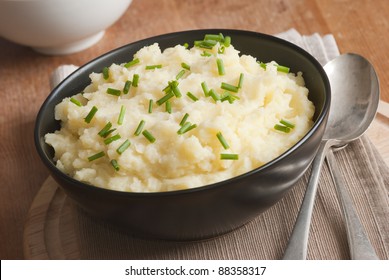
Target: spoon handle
(359, 244)
(298, 242)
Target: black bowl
(209, 210)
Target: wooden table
(358, 26)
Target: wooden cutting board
(51, 228)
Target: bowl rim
(320, 118)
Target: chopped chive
(96, 156)
(220, 67)
(222, 140)
(176, 91)
(262, 64)
(114, 91)
(283, 69)
(205, 44)
(91, 114)
(186, 45)
(205, 89)
(132, 62)
(106, 130)
(214, 37)
(287, 123)
(229, 156)
(282, 128)
(115, 164)
(227, 41)
(221, 49)
(126, 87)
(121, 114)
(75, 101)
(229, 87)
(148, 136)
(135, 80)
(106, 73)
(165, 98)
(214, 95)
(205, 53)
(151, 67)
(229, 97)
(123, 147)
(184, 118)
(186, 127)
(150, 106)
(191, 96)
(180, 74)
(111, 139)
(168, 105)
(185, 66)
(240, 83)
(139, 128)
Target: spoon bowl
(355, 89)
(354, 103)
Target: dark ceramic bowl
(208, 210)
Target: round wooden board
(49, 231)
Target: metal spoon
(355, 97)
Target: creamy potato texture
(92, 148)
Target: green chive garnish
(287, 123)
(106, 130)
(213, 37)
(184, 118)
(186, 127)
(222, 140)
(221, 49)
(123, 147)
(229, 156)
(132, 62)
(105, 73)
(180, 74)
(186, 45)
(205, 53)
(205, 89)
(151, 67)
(96, 156)
(229, 87)
(282, 128)
(165, 98)
(168, 105)
(191, 96)
(176, 91)
(126, 87)
(114, 91)
(229, 97)
(121, 114)
(240, 83)
(139, 128)
(283, 69)
(75, 101)
(227, 41)
(280, 68)
(115, 164)
(185, 66)
(150, 106)
(111, 139)
(220, 67)
(214, 95)
(135, 80)
(148, 136)
(91, 114)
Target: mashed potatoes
(179, 119)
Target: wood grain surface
(358, 26)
